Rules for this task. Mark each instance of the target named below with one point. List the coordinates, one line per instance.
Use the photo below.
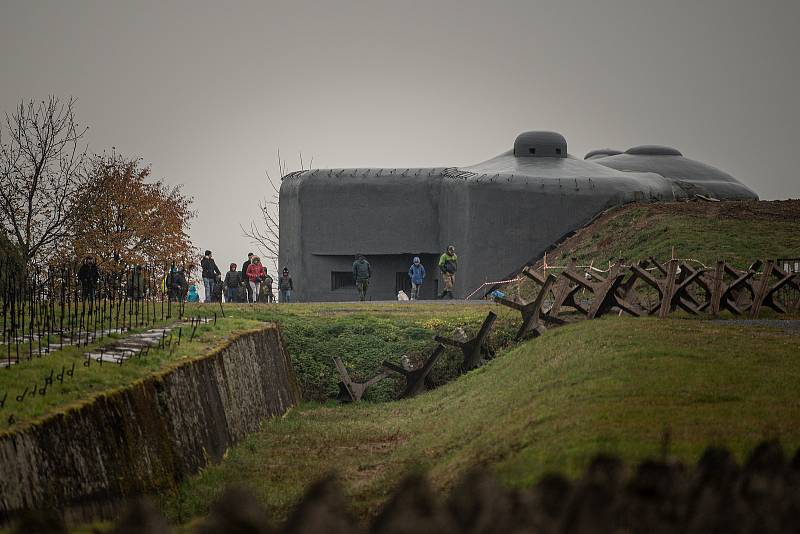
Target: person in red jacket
(255, 275)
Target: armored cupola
(540, 145)
(653, 150)
(601, 153)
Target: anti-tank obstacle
(533, 315)
(604, 290)
(351, 391)
(677, 283)
(415, 378)
(476, 350)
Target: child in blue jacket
(417, 275)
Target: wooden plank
(510, 303)
(717, 288)
(533, 275)
(762, 286)
(564, 295)
(784, 279)
(668, 289)
(604, 291)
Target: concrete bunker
(498, 213)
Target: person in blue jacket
(417, 275)
(193, 296)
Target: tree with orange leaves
(124, 219)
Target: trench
(145, 438)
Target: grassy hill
(704, 232)
(737, 232)
(633, 387)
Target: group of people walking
(251, 283)
(136, 283)
(448, 265)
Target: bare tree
(41, 163)
(265, 234)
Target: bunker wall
(497, 227)
(328, 217)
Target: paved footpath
(132, 345)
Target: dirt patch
(790, 326)
(751, 210)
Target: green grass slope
(366, 334)
(617, 385)
(737, 232)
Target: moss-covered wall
(144, 438)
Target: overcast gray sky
(207, 91)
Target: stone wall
(146, 437)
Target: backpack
(450, 266)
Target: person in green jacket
(448, 264)
(361, 275)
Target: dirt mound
(750, 210)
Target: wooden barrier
(678, 284)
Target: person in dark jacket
(233, 280)
(417, 275)
(210, 273)
(362, 272)
(247, 287)
(137, 285)
(219, 289)
(88, 275)
(180, 285)
(266, 290)
(285, 286)
(175, 283)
